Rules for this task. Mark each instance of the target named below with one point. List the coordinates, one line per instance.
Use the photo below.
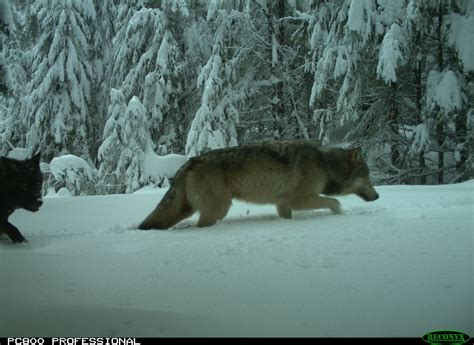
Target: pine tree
(5, 28)
(214, 123)
(19, 68)
(126, 139)
(393, 76)
(155, 74)
(330, 60)
(137, 46)
(109, 150)
(449, 73)
(362, 62)
(415, 29)
(387, 73)
(272, 63)
(101, 56)
(7, 122)
(57, 107)
(194, 41)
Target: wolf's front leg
(11, 231)
(284, 211)
(310, 202)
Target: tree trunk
(419, 96)
(394, 120)
(440, 138)
(276, 33)
(460, 123)
(440, 125)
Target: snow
(275, 46)
(444, 89)
(19, 153)
(399, 266)
(359, 16)
(70, 167)
(318, 37)
(157, 167)
(5, 14)
(62, 193)
(421, 138)
(176, 5)
(391, 11)
(461, 37)
(342, 62)
(87, 8)
(213, 7)
(163, 52)
(390, 56)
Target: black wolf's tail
(174, 206)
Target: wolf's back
(174, 206)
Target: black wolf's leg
(11, 231)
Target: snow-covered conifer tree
(126, 139)
(137, 45)
(395, 76)
(358, 49)
(57, 107)
(109, 151)
(272, 63)
(154, 73)
(214, 123)
(5, 28)
(390, 73)
(12, 80)
(101, 57)
(449, 71)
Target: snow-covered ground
(400, 266)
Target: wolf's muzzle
(34, 206)
(367, 197)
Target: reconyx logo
(446, 337)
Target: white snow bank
(72, 173)
(69, 167)
(19, 153)
(63, 192)
(158, 167)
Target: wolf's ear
(355, 154)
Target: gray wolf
(289, 174)
(20, 187)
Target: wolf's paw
(142, 227)
(336, 207)
(145, 225)
(18, 239)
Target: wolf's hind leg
(284, 211)
(313, 202)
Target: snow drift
(400, 266)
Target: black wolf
(288, 174)
(20, 187)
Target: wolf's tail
(174, 206)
